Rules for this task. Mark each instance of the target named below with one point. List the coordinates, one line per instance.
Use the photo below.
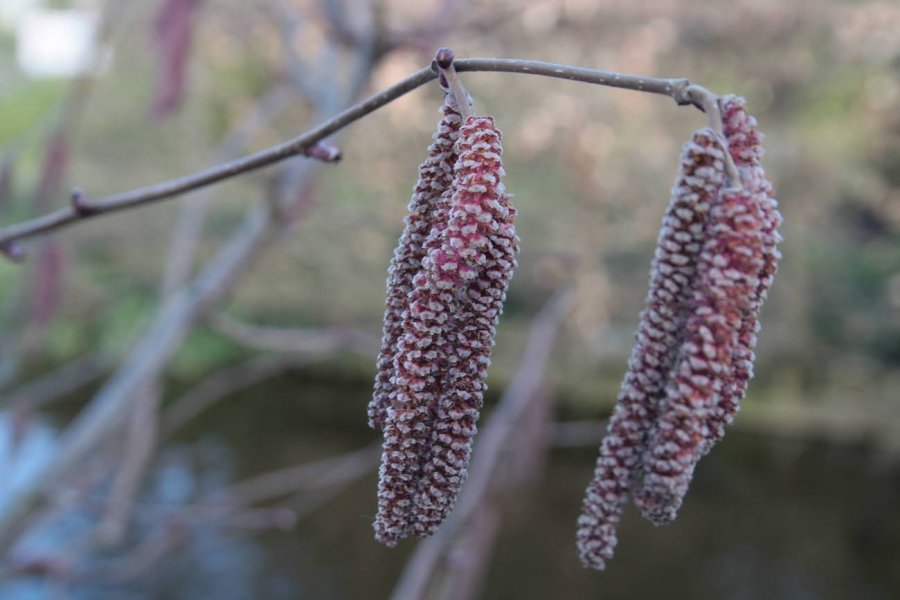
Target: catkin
(475, 262)
(444, 344)
(658, 338)
(435, 176)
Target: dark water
(765, 518)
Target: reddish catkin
(673, 271)
(444, 349)
(745, 145)
(435, 176)
(475, 262)
(729, 269)
(419, 368)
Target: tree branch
(84, 208)
(228, 381)
(311, 340)
(173, 322)
(65, 380)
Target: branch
(140, 446)
(84, 208)
(323, 473)
(60, 383)
(232, 507)
(173, 322)
(312, 340)
(221, 384)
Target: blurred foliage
(590, 169)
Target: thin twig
(57, 384)
(312, 340)
(709, 102)
(269, 486)
(222, 384)
(173, 322)
(443, 59)
(88, 208)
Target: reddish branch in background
(174, 30)
(6, 181)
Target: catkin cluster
(446, 287)
(715, 260)
(693, 358)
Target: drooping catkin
(419, 373)
(745, 144)
(444, 348)
(435, 176)
(716, 361)
(729, 268)
(673, 272)
(474, 262)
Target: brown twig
(174, 320)
(673, 88)
(709, 103)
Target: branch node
(13, 251)
(681, 93)
(444, 58)
(80, 204)
(708, 102)
(324, 152)
(449, 80)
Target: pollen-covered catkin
(729, 269)
(745, 144)
(447, 335)
(673, 272)
(419, 373)
(709, 381)
(435, 176)
(474, 262)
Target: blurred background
(240, 464)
